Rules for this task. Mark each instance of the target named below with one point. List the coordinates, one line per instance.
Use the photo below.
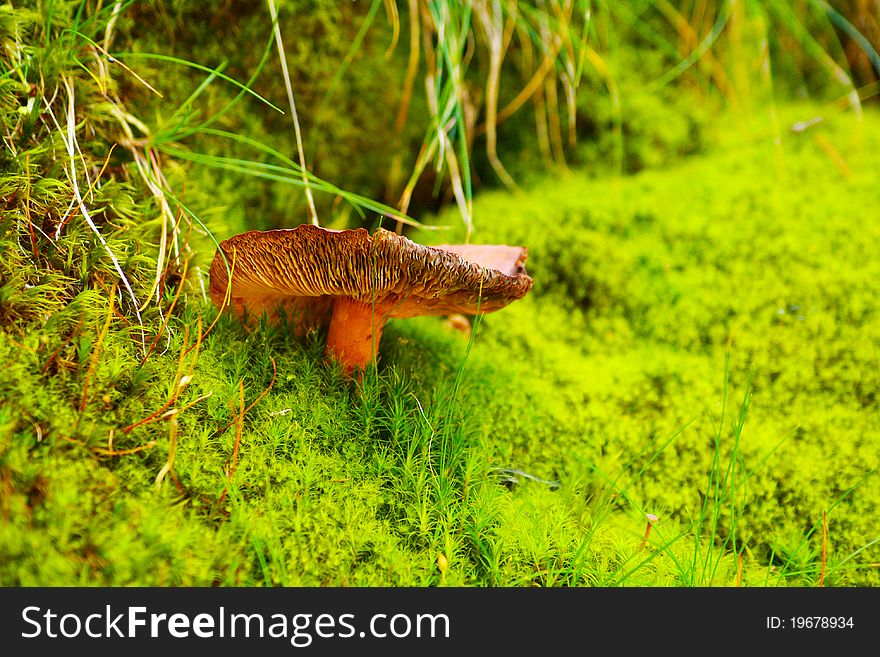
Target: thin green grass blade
(199, 67)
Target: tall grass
(483, 62)
(541, 51)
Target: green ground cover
(697, 346)
(700, 344)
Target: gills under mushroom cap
(356, 281)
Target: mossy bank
(697, 352)
(697, 346)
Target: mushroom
(355, 282)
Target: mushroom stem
(354, 334)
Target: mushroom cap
(303, 269)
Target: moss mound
(695, 348)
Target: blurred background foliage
(399, 101)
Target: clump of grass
(610, 85)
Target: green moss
(644, 286)
(617, 392)
(694, 347)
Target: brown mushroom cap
(362, 279)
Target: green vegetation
(697, 345)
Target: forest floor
(701, 344)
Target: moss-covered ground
(700, 344)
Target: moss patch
(694, 347)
